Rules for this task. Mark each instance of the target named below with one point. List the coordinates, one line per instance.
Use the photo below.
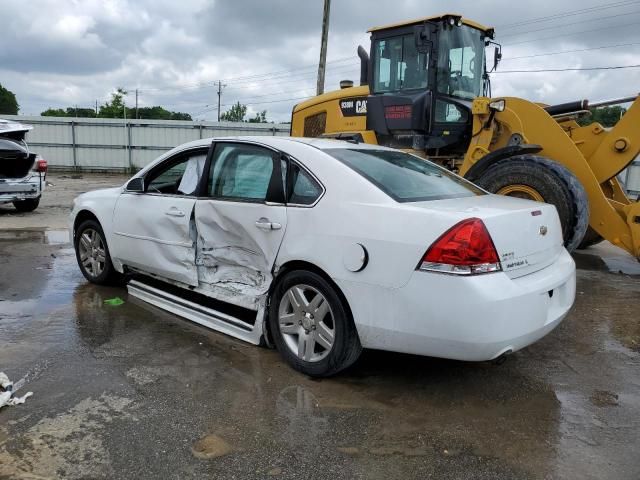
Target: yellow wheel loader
(424, 88)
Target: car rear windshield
(405, 177)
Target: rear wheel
(311, 326)
(28, 205)
(543, 180)
(92, 254)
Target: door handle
(265, 224)
(174, 212)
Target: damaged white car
(22, 173)
(323, 247)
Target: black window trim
(274, 190)
(291, 160)
(173, 160)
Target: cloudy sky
(63, 53)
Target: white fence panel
(113, 144)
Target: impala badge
(543, 230)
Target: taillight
(41, 165)
(464, 249)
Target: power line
(570, 24)
(241, 85)
(254, 103)
(548, 54)
(243, 79)
(570, 13)
(575, 33)
(578, 69)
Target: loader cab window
(461, 62)
(398, 65)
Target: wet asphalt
(130, 391)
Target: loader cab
(422, 79)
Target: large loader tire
(590, 238)
(538, 178)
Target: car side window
(303, 189)
(240, 171)
(180, 175)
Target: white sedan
(324, 247)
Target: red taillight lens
(464, 249)
(41, 165)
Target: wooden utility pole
(220, 85)
(323, 46)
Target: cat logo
(353, 107)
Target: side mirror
(497, 56)
(135, 185)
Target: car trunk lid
(15, 159)
(527, 235)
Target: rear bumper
(474, 318)
(31, 186)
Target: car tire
(28, 205)
(311, 325)
(92, 254)
(551, 183)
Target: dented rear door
(241, 223)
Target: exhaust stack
(364, 65)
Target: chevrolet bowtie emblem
(543, 230)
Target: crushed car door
(153, 229)
(242, 220)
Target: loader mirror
(421, 35)
(497, 56)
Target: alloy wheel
(306, 322)
(92, 252)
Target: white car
(22, 174)
(323, 247)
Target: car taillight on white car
(464, 249)
(40, 165)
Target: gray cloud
(77, 52)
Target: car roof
(281, 142)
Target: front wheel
(590, 238)
(311, 326)
(92, 254)
(27, 205)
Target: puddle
(56, 237)
(48, 237)
(607, 258)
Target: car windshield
(405, 177)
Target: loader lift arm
(595, 155)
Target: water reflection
(304, 422)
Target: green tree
(114, 108)
(235, 114)
(606, 116)
(8, 103)
(261, 117)
(54, 112)
(158, 113)
(69, 112)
